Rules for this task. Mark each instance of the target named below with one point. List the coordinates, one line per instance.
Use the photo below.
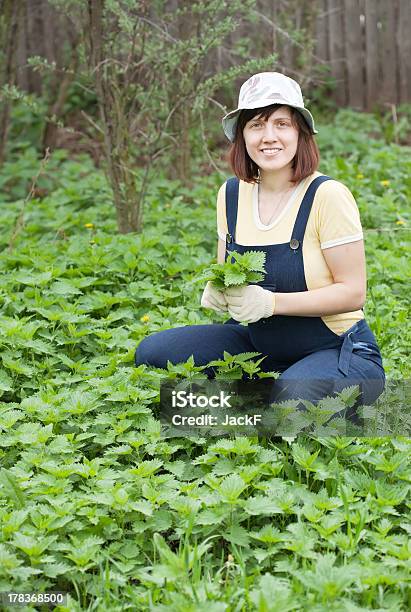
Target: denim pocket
(363, 346)
(369, 351)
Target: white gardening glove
(213, 298)
(250, 304)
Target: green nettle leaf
(24, 573)
(236, 534)
(61, 444)
(251, 260)
(9, 418)
(234, 277)
(52, 570)
(391, 494)
(273, 589)
(32, 278)
(328, 525)
(246, 268)
(80, 402)
(327, 579)
(185, 506)
(384, 526)
(390, 464)
(303, 457)
(8, 561)
(312, 513)
(15, 363)
(32, 546)
(223, 467)
(5, 381)
(231, 488)
(301, 541)
(38, 346)
(64, 287)
(144, 506)
(269, 535)
(166, 555)
(262, 505)
(12, 487)
(349, 395)
(33, 433)
(12, 521)
(323, 501)
(147, 468)
(84, 552)
(213, 516)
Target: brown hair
(305, 161)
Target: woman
(306, 315)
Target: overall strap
(231, 206)
(300, 224)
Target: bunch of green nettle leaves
(245, 270)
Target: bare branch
(207, 150)
(157, 27)
(92, 122)
(286, 35)
(19, 223)
(217, 104)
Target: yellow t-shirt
(334, 220)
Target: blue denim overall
(288, 339)
(313, 361)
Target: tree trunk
(114, 122)
(11, 12)
(60, 89)
(183, 152)
(35, 36)
(181, 122)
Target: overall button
(228, 238)
(294, 244)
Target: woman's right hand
(213, 298)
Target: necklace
(278, 205)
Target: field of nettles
(94, 500)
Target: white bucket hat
(264, 89)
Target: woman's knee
(148, 353)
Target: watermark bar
(46, 598)
(218, 407)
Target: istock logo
(181, 399)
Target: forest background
(111, 155)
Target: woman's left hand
(250, 304)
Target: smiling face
(271, 143)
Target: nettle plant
(246, 269)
